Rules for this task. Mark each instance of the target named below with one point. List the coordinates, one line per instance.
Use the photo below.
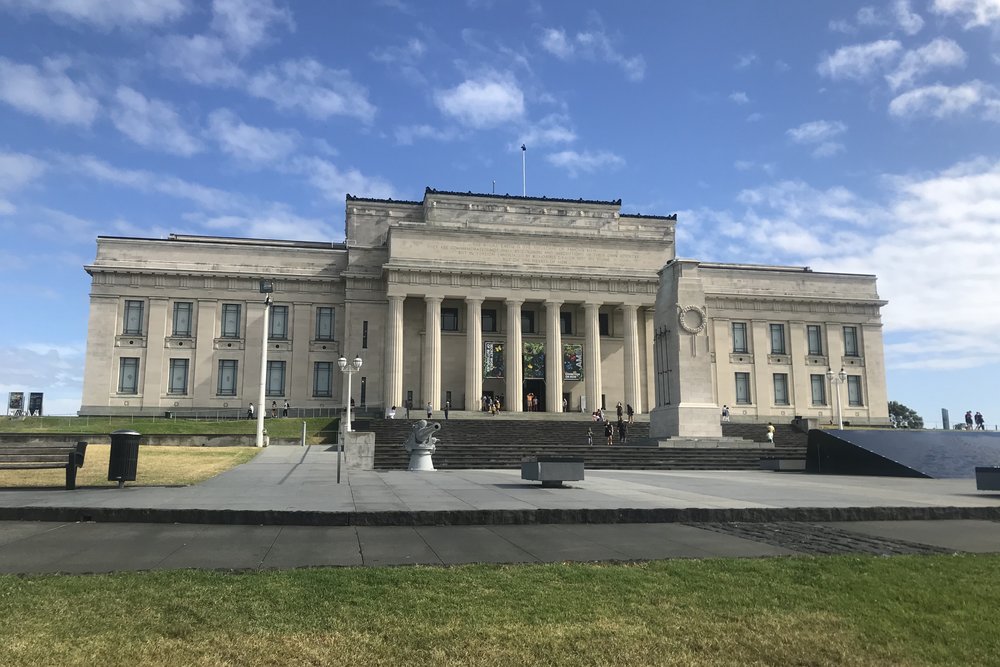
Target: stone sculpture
(421, 444)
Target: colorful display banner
(15, 400)
(493, 361)
(534, 361)
(572, 361)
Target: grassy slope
(787, 611)
(276, 428)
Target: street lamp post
(349, 369)
(837, 379)
(266, 288)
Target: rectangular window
(278, 323)
(489, 317)
(182, 318)
(364, 335)
(128, 376)
(275, 378)
(777, 339)
(178, 382)
(324, 323)
(231, 320)
(322, 379)
(227, 377)
(851, 342)
(449, 319)
(781, 388)
(740, 337)
(743, 388)
(603, 324)
(566, 323)
(814, 334)
(133, 318)
(818, 384)
(854, 397)
(527, 321)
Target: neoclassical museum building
(462, 296)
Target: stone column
(394, 353)
(553, 357)
(650, 388)
(514, 370)
(473, 352)
(431, 388)
(592, 356)
(633, 392)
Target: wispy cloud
(104, 15)
(576, 163)
(859, 61)
(335, 183)
(739, 97)
(592, 45)
(249, 144)
(308, 86)
(975, 13)
(745, 60)
(939, 101)
(246, 24)
(551, 130)
(17, 170)
(151, 123)
(820, 135)
(486, 101)
(47, 92)
(938, 54)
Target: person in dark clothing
(630, 413)
(618, 409)
(609, 433)
(622, 432)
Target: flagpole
(524, 182)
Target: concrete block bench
(552, 471)
(783, 465)
(988, 478)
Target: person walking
(770, 432)
(968, 420)
(590, 437)
(408, 404)
(618, 410)
(250, 411)
(565, 404)
(725, 413)
(609, 433)
(274, 409)
(622, 432)
(430, 410)
(630, 413)
(980, 422)
(447, 406)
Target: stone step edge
(493, 517)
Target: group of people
(627, 414)
(251, 411)
(531, 402)
(491, 404)
(980, 423)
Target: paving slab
(968, 536)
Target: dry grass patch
(158, 466)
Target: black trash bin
(124, 457)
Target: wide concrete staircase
(502, 443)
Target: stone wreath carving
(691, 318)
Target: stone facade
(446, 299)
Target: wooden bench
(43, 455)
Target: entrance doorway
(537, 389)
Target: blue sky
(844, 136)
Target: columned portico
(553, 357)
(473, 352)
(633, 391)
(431, 389)
(592, 356)
(513, 356)
(394, 352)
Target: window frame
(815, 347)
(817, 380)
(565, 323)
(174, 364)
(745, 348)
(781, 398)
(317, 366)
(278, 335)
(324, 313)
(175, 331)
(776, 328)
(854, 386)
(488, 314)
(232, 313)
(223, 364)
(276, 374)
(528, 322)
(449, 319)
(133, 308)
(743, 377)
(134, 363)
(851, 334)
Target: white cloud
(586, 162)
(745, 60)
(247, 143)
(816, 131)
(413, 50)
(406, 135)
(941, 101)
(308, 86)
(842, 26)
(104, 14)
(940, 53)
(909, 22)
(754, 117)
(975, 13)
(828, 149)
(200, 59)
(751, 165)
(553, 129)
(335, 183)
(277, 223)
(859, 61)
(47, 92)
(593, 45)
(245, 24)
(739, 97)
(151, 123)
(16, 171)
(487, 101)
(869, 16)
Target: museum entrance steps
(789, 442)
(503, 443)
(503, 415)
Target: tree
(903, 417)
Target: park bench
(552, 471)
(41, 455)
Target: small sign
(15, 403)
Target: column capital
(433, 299)
(396, 297)
(554, 303)
(630, 307)
(513, 302)
(588, 306)
(474, 299)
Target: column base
(692, 420)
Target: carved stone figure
(421, 444)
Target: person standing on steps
(770, 432)
(630, 413)
(609, 433)
(590, 437)
(447, 406)
(618, 410)
(622, 432)
(430, 410)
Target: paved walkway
(397, 517)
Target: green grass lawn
(926, 610)
(276, 428)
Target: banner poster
(15, 401)
(534, 361)
(572, 361)
(35, 403)
(493, 362)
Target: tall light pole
(837, 380)
(266, 288)
(351, 369)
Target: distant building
(462, 296)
